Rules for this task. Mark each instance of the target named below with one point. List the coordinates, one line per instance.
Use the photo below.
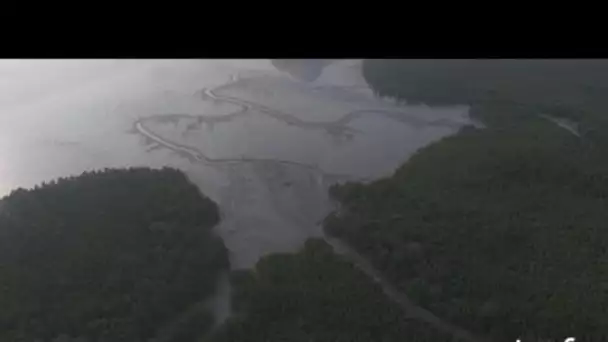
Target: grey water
(263, 142)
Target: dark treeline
(500, 230)
(500, 91)
(105, 256)
(314, 295)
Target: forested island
(500, 230)
(111, 255)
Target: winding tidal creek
(263, 144)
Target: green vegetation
(501, 92)
(107, 256)
(500, 230)
(314, 295)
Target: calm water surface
(261, 143)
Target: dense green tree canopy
(501, 230)
(314, 295)
(105, 256)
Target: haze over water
(263, 144)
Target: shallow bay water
(262, 144)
